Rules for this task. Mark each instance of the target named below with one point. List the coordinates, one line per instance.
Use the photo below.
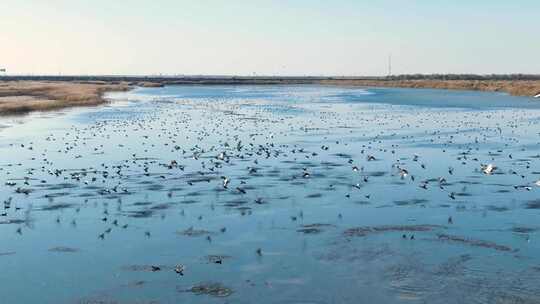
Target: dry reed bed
(20, 97)
(517, 88)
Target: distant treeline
(267, 79)
(464, 77)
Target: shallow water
(96, 211)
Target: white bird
(226, 181)
(221, 156)
(403, 172)
(488, 169)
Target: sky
(264, 37)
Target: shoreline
(524, 88)
(22, 95)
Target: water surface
(332, 195)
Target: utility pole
(389, 65)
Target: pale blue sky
(342, 37)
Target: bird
(241, 190)
(179, 268)
(225, 181)
(403, 172)
(488, 169)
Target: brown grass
(147, 84)
(19, 97)
(518, 87)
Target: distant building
(2, 70)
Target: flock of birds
(218, 142)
